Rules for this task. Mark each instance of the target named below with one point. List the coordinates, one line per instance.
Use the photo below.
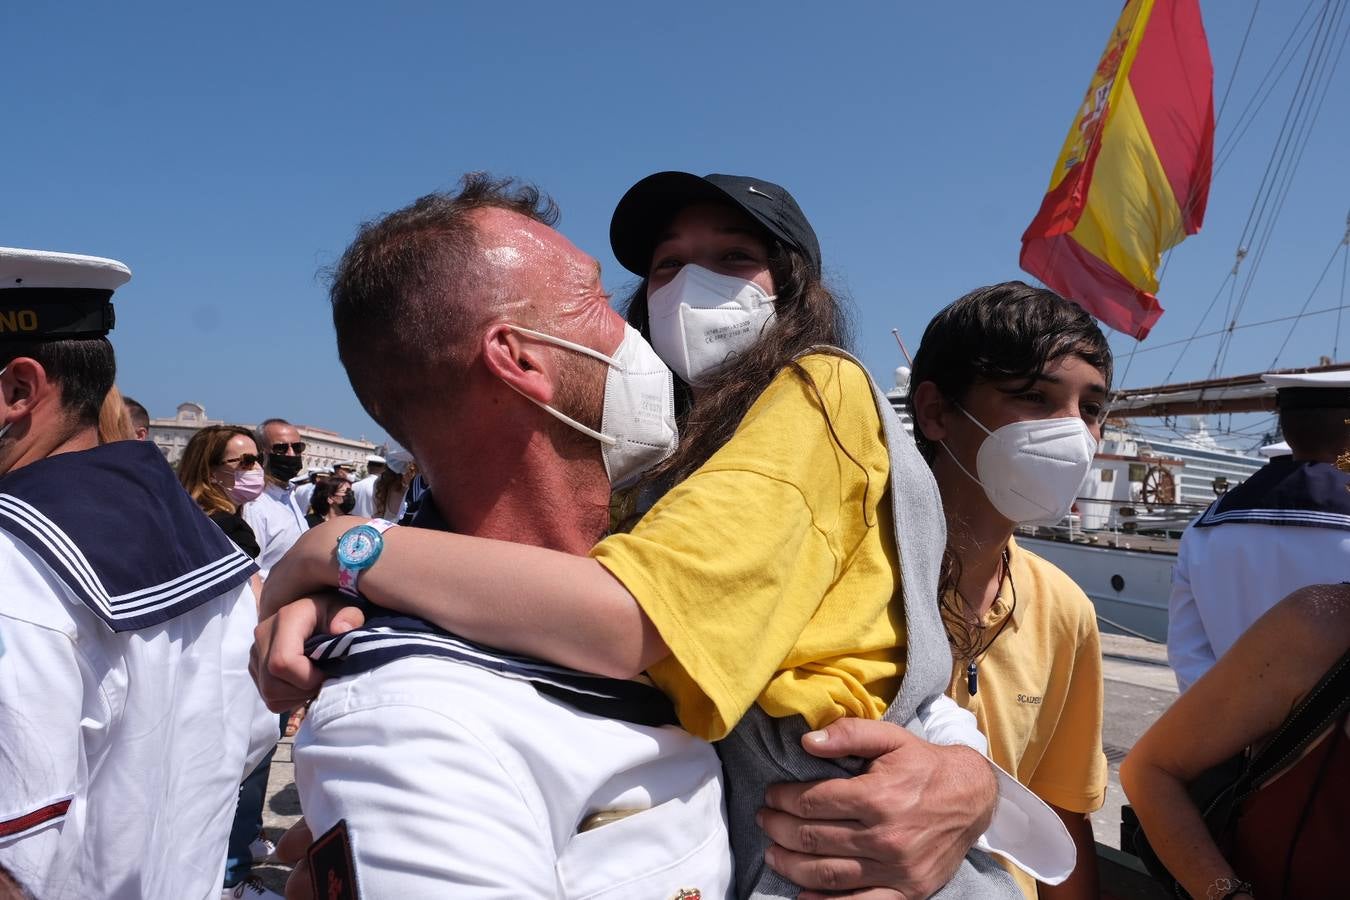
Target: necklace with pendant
(972, 664)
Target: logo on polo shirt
(1029, 699)
(18, 321)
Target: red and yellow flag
(1133, 177)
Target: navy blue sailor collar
(1286, 492)
(117, 528)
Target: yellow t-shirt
(770, 571)
(1039, 696)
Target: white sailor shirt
(1285, 528)
(128, 719)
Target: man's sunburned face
(555, 288)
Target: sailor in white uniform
(1286, 527)
(127, 717)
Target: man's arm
(905, 824)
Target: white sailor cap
(301, 478)
(1279, 448)
(372, 458)
(1311, 390)
(50, 296)
(398, 460)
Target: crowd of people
(656, 603)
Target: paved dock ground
(1139, 686)
(280, 812)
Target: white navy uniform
(364, 492)
(1286, 527)
(127, 712)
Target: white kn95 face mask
(701, 318)
(637, 426)
(1031, 471)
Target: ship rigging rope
(1304, 108)
(1345, 258)
(1269, 81)
(1230, 144)
(1207, 334)
(1341, 248)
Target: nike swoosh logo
(755, 190)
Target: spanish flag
(1133, 177)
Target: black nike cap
(651, 204)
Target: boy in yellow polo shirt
(1007, 393)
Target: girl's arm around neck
(554, 606)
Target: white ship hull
(1128, 587)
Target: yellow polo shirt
(770, 572)
(1039, 699)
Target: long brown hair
(388, 486)
(807, 316)
(204, 451)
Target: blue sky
(227, 153)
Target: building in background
(322, 447)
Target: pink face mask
(248, 484)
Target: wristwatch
(357, 550)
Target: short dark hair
(1003, 331)
(140, 416)
(1316, 432)
(397, 290)
(84, 370)
(260, 434)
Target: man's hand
(291, 849)
(286, 678)
(900, 829)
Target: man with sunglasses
(276, 516)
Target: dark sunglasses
(280, 449)
(245, 460)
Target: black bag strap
(1324, 705)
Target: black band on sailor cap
(650, 205)
(55, 314)
(1312, 398)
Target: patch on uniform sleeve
(332, 866)
(22, 825)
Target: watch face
(359, 547)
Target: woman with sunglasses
(221, 469)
